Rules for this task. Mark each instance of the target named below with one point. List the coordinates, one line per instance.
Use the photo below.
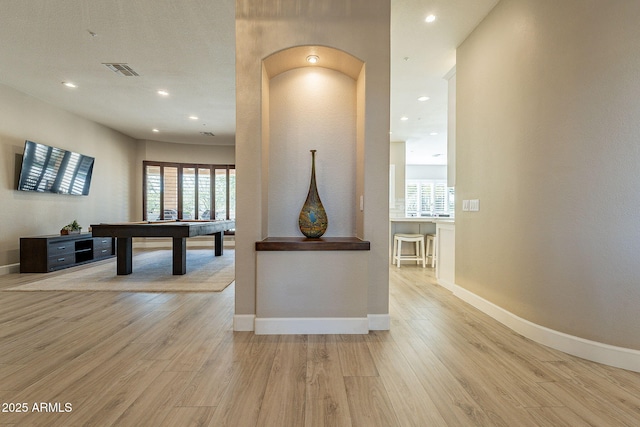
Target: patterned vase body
(313, 218)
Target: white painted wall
(548, 120)
(397, 159)
(426, 172)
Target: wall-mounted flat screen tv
(54, 170)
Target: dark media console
(43, 254)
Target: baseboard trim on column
(244, 322)
(379, 322)
(311, 325)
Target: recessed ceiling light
(437, 155)
(430, 18)
(69, 84)
(162, 92)
(433, 133)
(193, 117)
(404, 118)
(423, 98)
(155, 130)
(312, 59)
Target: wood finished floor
(124, 359)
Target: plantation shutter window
(173, 191)
(425, 198)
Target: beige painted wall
(186, 153)
(548, 118)
(340, 295)
(362, 30)
(116, 188)
(312, 110)
(32, 214)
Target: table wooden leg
(218, 243)
(124, 253)
(179, 255)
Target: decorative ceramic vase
(313, 218)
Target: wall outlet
(465, 205)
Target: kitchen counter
(416, 225)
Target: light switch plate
(465, 205)
(474, 205)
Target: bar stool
(419, 256)
(431, 249)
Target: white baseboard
(618, 357)
(379, 322)
(311, 325)
(9, 269)
(243, 322)
(447, 285)
(373, 322)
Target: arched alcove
(290, 284)
(312, 285)
(311, 106)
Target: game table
(178, 230)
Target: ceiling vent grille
(207, 133)
(122, 69)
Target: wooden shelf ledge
(306, 244)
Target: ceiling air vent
(122, 69)
(207, 133)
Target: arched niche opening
(312, 106)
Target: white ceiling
(187, 48)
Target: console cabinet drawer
(61, 248)
(102, 247)
(61, 261)
(42, 254)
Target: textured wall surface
(548, 120)
(312, 110)
(361, 29)
(111, 196)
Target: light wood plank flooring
(125, 359)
